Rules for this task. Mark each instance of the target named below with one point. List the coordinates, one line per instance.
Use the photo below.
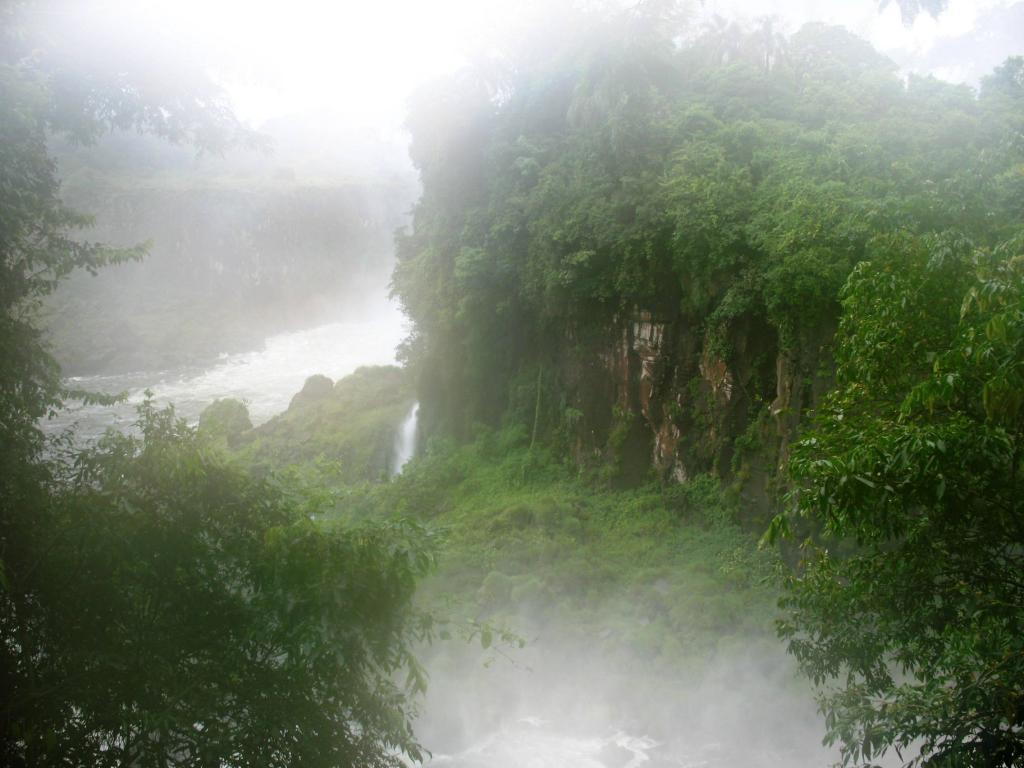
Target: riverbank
(265, 379)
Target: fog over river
(559, 703)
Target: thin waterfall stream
(405, 440)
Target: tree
(194, 615)
(52, 83)
(908, 609)
(157, 606)
(909, 9)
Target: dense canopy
(737, 178)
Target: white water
(532, 743)
(405, 440)
(265, 379)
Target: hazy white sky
(961, 45)
(884, 29)
(281, 57)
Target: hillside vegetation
(641, 596)
(643, 244)
(775, 262)
(718, 339)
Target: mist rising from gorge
(557, 303)
(239, 247)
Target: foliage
(227, 418)
(158, 606)
(909, 9)
(651, 584)
(527, 545)
(737, 178)
(739, 181)
(915, 631)
(521, 535)
(38, 250)
(197, 616)
(46, 91)
(343, 432)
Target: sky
(965, 42)
(278, 58)
(329, 81)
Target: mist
(524, 322)
(563, 702)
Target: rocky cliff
(652, 392)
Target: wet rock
(227, 418)
(317, 387)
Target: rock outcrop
(657, 393)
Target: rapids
(265, 379)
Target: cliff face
(655, 393)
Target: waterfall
(405, 440)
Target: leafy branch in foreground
(196, 615)
(157, 605)
(908, 610)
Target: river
(265, 379)
(532, 743)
